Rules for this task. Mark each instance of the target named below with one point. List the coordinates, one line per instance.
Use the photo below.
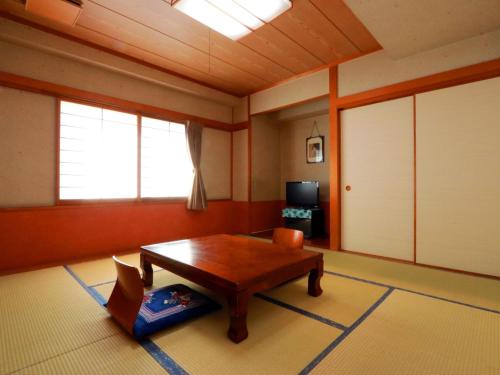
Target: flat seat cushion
(170, 305)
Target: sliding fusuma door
(458, 177)
(377, 179)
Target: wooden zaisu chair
(291, 238)
(142, 314)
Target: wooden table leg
(314, 287)
(238, 307)
(147, 271)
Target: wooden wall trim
(240, 126)
(104, 203)
(56, 90)
(476, 72)
(231, 164)
(57, 134)
(414, 179)
(249, 151)
(335, 154)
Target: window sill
(68, 204)
(110, 202)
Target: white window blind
(166, 168)
(98, 153)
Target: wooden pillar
(249, 166)
(334, 161)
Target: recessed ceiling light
(233, 18)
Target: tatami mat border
(324, 320)
(162, 358)
(60, 354)
(303, 312)
(344, 334)
(95, 295)
(411, 291)
(173, 368)
(151, 348)
(112, 281)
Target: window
(98, 156)
(166, 169)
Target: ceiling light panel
(213, 17)
(266, 10)
(233, 18)
(238, 12)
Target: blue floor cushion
(170, 305)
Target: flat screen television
(302, 193)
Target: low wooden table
(235, 267)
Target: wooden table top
(238, 261)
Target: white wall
(240, 111)
(44, 66)
(216, 163)
(28, 152)
(297, 90)
(27, 148)
(294, 167)
(378, 69)
(265, 159)
(17, 33)
(240, 165)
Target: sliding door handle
(348, 187)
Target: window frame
(138, 198)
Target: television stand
(311, 221)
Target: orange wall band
(52, 89)
(57, 234)
(36, 236)
(265, 215)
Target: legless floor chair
(142, 314)
(291, 238)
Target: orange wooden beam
(334, 162)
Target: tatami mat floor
(374, 317)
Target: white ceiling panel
(406, 27)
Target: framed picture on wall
(315, 149)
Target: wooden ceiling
(312, 34)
